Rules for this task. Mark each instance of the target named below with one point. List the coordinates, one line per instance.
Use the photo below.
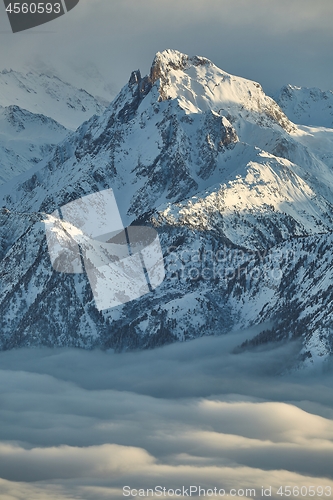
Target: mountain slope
(25, 139)
(223, 175)
(49, 96)
(307, 106)
(36, 113)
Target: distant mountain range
(36, 113)
(307, 106)
(48, 95)
(241, 196)
(25, 139)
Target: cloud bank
(85, 424)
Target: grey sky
(271, 41)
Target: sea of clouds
(82, 425)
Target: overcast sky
(271, 41)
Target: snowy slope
(307, 106)
(49, 96)
(25, 139)
(36, 113)
(192, 145)
(216, 166)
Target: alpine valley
(241, 196)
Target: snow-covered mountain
(25, 139)
(242, 199)
(36, 113)
(307, 106)
(48, 95)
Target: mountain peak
(237, 193)
(199, 86)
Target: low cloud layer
(78, 424)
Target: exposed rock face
(165, 62)
(140, 88)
